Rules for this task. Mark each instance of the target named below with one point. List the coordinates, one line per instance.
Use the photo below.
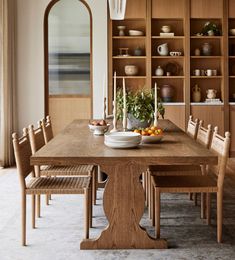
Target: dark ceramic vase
(167, 93)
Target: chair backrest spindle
(192, 128)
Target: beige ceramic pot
(131, 70)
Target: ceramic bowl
(232, 32)
(152, 139)
(131, 70)
(123, 137)
(166, 28)
(135, 33)
(99, 129)
(121, 145)
(175, 53)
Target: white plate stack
(122, 140)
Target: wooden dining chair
(72, 170)
(203, 184)
(36, 138)
(44, 185)
(161, 170)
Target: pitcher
(163, 49)
(211, 93)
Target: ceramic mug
(209, 73)
(214, 72)
(197, 72)
(202, 72)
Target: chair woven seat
(184, 183)
(58, 185)
(51, 170)
(179, 170)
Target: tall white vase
(117, 9)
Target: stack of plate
(122, 140)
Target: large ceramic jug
(163, 49)
(196, 93)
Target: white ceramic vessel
(135, 33)
(232, 31)
(99, 129)
(166, 28)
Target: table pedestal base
(123, 206)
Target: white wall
(30, 58)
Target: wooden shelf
(168, 77)
(231, 37)
(168, 37)
(206, 104)
(131, 77)
(167, 57)
(129, 57)
(232, 77)
(206, 77)
(129, 37)
(206, 57)
(231, 57)
(173, 103)
(206, 37)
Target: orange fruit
(137, 131)
(150, 132)
(144, 132)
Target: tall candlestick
(114, 103)
(124, 106)
(155, 104)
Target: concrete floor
(60, 229)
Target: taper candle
(124, 94)
(124, 106)
(114, 103)
(104, 98)
(155, 104)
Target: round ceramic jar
(131, 70)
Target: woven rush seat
(58, 185)
(178, 183)
(179, 170)
(51, 170)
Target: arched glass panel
(69, 49)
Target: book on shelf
(167, 34)
(213, 100)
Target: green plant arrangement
(211, 28)
(140, 104)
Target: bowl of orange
(150, 135)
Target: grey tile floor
(60, 229)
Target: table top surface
(76, 144)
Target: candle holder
(104, 112)
(155, 119)
(124, 121)
(114, 118)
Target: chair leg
(90, 206)
(153, 204)
(47, 199)
(208, 208)
(219, 215)
(86, 210)
(94, 188)
(191, 196)
(157, 211)
(148, 188)
(38, 205)
(144, 186)
(23, 219)
(195, 198)
(33, 211)
(203, 207)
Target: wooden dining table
(123, 198)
